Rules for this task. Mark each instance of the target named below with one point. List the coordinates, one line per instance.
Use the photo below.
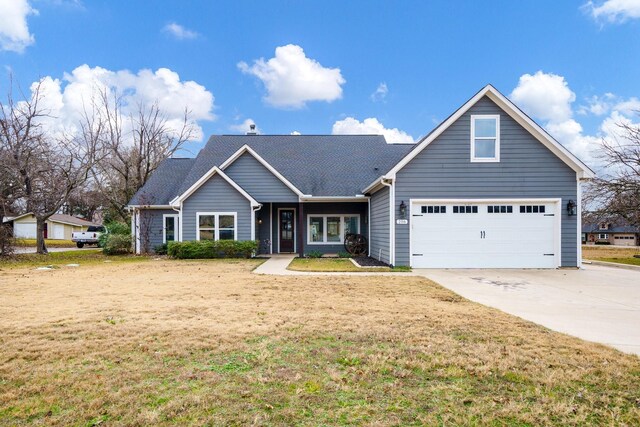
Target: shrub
(344, 254)
(119, 228)
(314, 254)
(204, 249)
(160, 249)
(603, 243)
(116, 244)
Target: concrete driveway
(597, 303)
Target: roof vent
(252, 129)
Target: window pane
(351, 224)
(333, 229)
(226, 221)
(206, 234)
(485, 128)
(227, 234)
(207, 221)
(170, 229)
(316, 229)
(485, 148)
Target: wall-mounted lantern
(571, 208)
(403, 210)
(259, 221)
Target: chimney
(252, 129)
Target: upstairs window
(485, 138)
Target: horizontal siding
(151, 225)
(527, 169)
(309, 209)
(216, 195)
(258, 181)
(380, 219)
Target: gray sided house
(488, 188)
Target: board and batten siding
(258, 181)
(216, 195)
(151, 220)
(527, 169)
(380, 220)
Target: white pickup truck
(89, 237)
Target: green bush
(114, 227)
(603, 243)
(314, 254)
(344, 254)
(204, 249)
(116, 244)
(160, 249)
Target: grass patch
(342, 265)
(59, 259)
(50, 243)
(611, 254)
(208, 343)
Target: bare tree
(617, 193)
(131, 156)
(43, 169)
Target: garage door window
(465, 209)
(532, 209)
(433, 209)
(500, 209)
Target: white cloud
(370, 126)
(613, 10)
(179, 32)
(295, 132)
(65, 99)
(547, 97)
(380, 93)
(244, 127)
(292, 79)
(14, 31)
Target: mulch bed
(366, 261)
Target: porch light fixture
(403, 210)
(571, 208)
(259, 221)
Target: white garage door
(487, 234)
(24, 230)
(57, 231)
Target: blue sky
(392, 67)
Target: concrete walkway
(276, 265)
(597, 303)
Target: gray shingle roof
(614, 228)
(163, 184)
(319, 165)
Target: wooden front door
(286, 227)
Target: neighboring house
(57, 227)
(488, 188)
(610, 232)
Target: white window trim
(216, 229)
(324, 227)
(475, 159)
(176, 227)
(606, 236)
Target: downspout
(179, 239)
(392, 221)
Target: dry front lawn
(166, 342)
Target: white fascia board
(169, 206)
(213, 171)
(334, 199)
(373, 185)
(514, 112)
(246, 149)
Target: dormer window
(485, 138)
(604, 226)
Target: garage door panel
(490, 238)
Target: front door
(286, 230)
